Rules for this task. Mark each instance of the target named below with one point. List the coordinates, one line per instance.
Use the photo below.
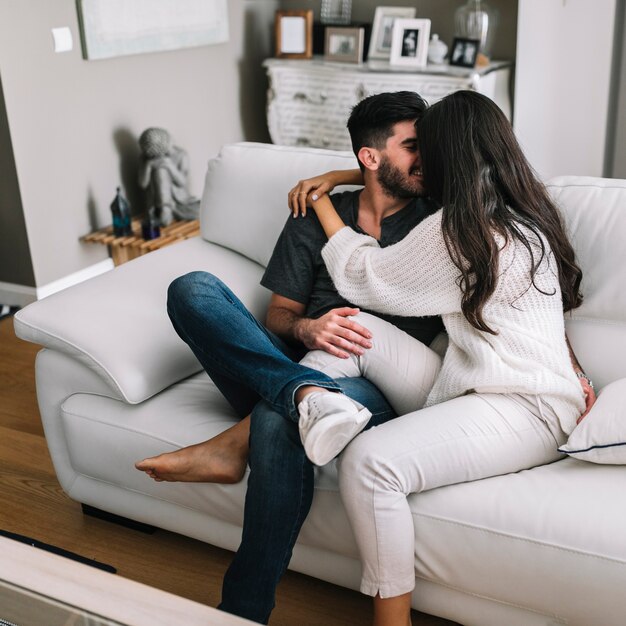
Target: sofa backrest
(244, 205)
(594, 210)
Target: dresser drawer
(309, 101)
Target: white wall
(563, 84)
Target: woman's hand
(309, 189)
(318, 186)
(590, 396)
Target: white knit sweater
(416, 276)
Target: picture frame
(344, 44)
(409, 45)
(382, 30)
(294, 34)
(113, 28)
(464, 52)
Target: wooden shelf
(124, 249)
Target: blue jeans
(254, 369)
(246, 362)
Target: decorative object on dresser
(309, 101)
(409, 43)
(344, 45)
(464, 52)
(437, 50)
(382, 30)
(477, 20)
(294, 34)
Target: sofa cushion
(601, 435)
(248, 216)
(595, 214)
(549, 539)
(117, 324)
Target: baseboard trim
(21, 295)
(17, 295)
(75, 278)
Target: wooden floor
(33, 504)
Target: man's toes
(144, 465)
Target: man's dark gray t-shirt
(297, 271)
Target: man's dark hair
(371, 122)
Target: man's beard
(394, 183)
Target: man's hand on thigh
(335, 333)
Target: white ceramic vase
(437, 50)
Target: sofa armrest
(117, 325)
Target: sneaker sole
(326, 440)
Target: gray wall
(74, 124)
(441, 12)
(15, 264)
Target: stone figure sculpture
(163, 173)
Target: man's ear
(370, 157)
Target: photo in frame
(409, 45)
(344, 45)
(464, 52)
(382, 30)
(294, 34)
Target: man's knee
(192, 283)
(190, 288)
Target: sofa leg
(92, 511)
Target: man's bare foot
(221, 459)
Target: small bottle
(121, 216)
(150, 227)
(437, 50)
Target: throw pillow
(601, 435)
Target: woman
(496, 263)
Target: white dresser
(309, 100)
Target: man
(305, 312)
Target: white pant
(468, 438)
(402, 368)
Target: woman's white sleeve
(413, 277)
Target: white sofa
(115, 384)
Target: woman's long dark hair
(475, 169)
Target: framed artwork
(111, 28)
(464, 52)
(344, 45)
(382, 30)
(294, 34)
(409, 44)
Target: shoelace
(307, 420)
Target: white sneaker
(329, 421)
